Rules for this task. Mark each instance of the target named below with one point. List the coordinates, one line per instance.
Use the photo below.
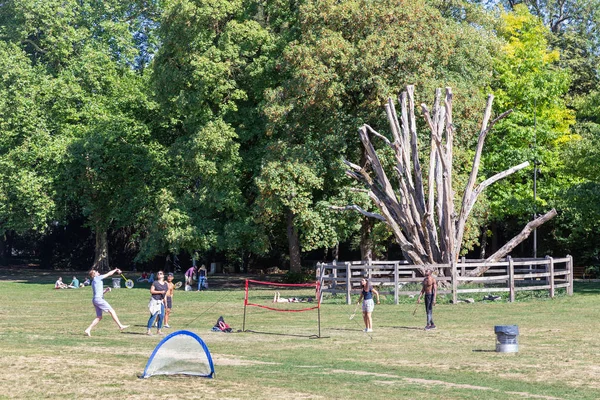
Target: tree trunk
(294, 243)
(335, 252)
(101, 251)
(483, 244)
(3, 249)
(366, 240)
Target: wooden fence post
(463, 265)
(551, 268)
(334, 273)
(396, 278)
(570, 275)
(348, 284)
(511, 279)
(454, 281)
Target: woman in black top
(158, 290)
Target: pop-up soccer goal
(180, 353)
(283, 297)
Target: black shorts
(169, 302)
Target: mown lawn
(45, 354)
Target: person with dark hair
(202, 278)
(189, 277)
(169, 298)
(429, 289)
(366, 296)
(98, 301)
(59, 284)
(158, 292)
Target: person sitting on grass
(144, 277)
(59, 284)
(278, 299)
(98, 301)
(74, 283)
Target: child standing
(366, 296)
(430, 290)
(169, 298)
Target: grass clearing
(46, 355)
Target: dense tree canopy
(220, 126)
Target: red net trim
(316, 285)
(282, 310)
(285, 284)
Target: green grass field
(45, 354)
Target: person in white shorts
(366, 296)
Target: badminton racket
(354, 313)
(178, 285)
(415, 311)
(128, 282)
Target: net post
(245, 305)
(319, 309)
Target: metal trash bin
(506, 338)
(116, 283)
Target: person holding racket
(366, 296)
(98, 301)
(158, 292)
(430, 290)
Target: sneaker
(427, 327)
(432, 326)
(365, 330)
(166, 325)
(369, 330)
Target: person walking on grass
(429, 289)
(158, 292)
(98, 301)
(366, 296)
(169, 298)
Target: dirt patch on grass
(428, 382)
(238, 362)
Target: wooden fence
(510, 275)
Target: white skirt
(368, 305)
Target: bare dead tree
(427, 228)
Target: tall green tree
(87, 53)
(28, 152)
(209, 76)
(350, 57)
(529, 80)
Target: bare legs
(88, 331)
(368, 321)
(113, 314)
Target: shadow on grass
(346, 329)
(586, 288)
(406, 327)
(284, 334)
(483, 351)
